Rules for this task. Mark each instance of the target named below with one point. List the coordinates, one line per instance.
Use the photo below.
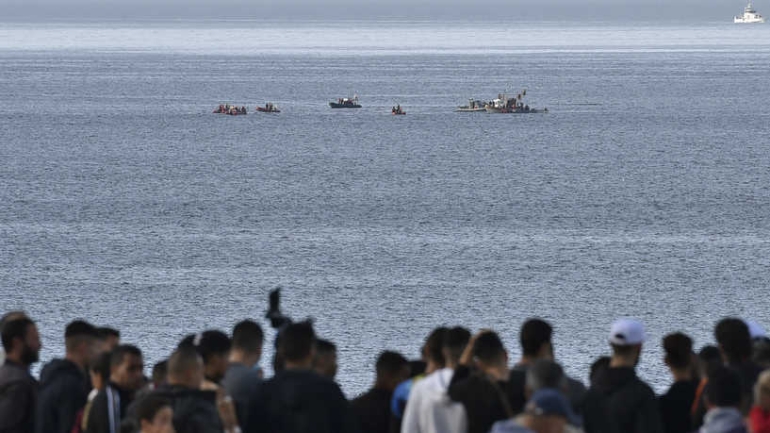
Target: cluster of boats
(502, 104)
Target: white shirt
(429, 408)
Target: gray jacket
(18, 397)
(723, 420)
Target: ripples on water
(643, 192)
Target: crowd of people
(463, 383)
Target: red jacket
(759, 420)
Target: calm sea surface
(644, 192)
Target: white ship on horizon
(749, 16)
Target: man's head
(762, 391)
(455, 340)
(126, 367)
(99, 370)
(109, 339)
(535, 339)
(723, 388)
(392, 369)
(80, 342)
(325, 359)
(489, 352)
(734, 340)
(185, 368)
(160, 373)
(626, 338)
(297, 345)
(548, 411)
(678, 349)
(432, 351)
(155, 415)
(21, 341)
(543, 374)
(248, 338)
(214, 347)
(709, 358)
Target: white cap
(755, 329)
(627, 332)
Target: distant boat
(269, 108)
(750, 16)
(346, 103)
(504, 104)
(398, 111)
(474, 106)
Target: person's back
(676, 404)
(734, 340)
(723, 399)
(242, 377)
(372, 409)
(618, 401)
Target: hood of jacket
(723, 420)
(613, 379)
(58, 368)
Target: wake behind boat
(750, 16)
(346, 103)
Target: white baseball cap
(627, 332)
(755, 329)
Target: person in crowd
(676, 403)
(547, 411)
(155, 415)
(479, 382)
(598, 366)
(195, 410)
(724, 396)
(536, 343)
(11, 315)
(159, 374)
(109, 338)
(429, 409)
(99, 372)
(372, 409)
(18, 389)
(709, 358)
(214, 347)
(298, 400)
(618, 401)
(243, 376)
(433, 355)
(64, 383)
(110, 404)
(325, 361)
(734, 341)
(759, 417)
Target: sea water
(643, 192)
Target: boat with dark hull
(346, 103)
(269, 108)
(398, 111)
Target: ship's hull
(265, 110)
(739, 20)
(336, 105)
(470, 110)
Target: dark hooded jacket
(299, 401)
(619, 402)
(195, 411)
(482, 399)
(63, 393)
(18, 394)
(108, 410)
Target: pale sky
(684, 10)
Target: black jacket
(675, 406)
(108, 410)
(482, 398)
(619, 402)
(372, 410)
(18, 396)
(516, 388)
(194, 411)
(299, 401)
(63, 393)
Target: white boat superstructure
(749, 16)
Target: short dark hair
(248, 336)
(77, 331)
(544, 373)
(105, 332)
(433, 345)
(160, 372)
(455, 340)
(184, 359)
(724, 388)
(678, 348)
(534, 333)
(598, 366)
(734, 339)
(212, 343)
(16, 328)
(390, 363)
(297, 341)
(120, 352)
(488, 348)
(709, 358)
(101, 366)
(417, 367)
(11, 315)
(324, 347)
(149, 406)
